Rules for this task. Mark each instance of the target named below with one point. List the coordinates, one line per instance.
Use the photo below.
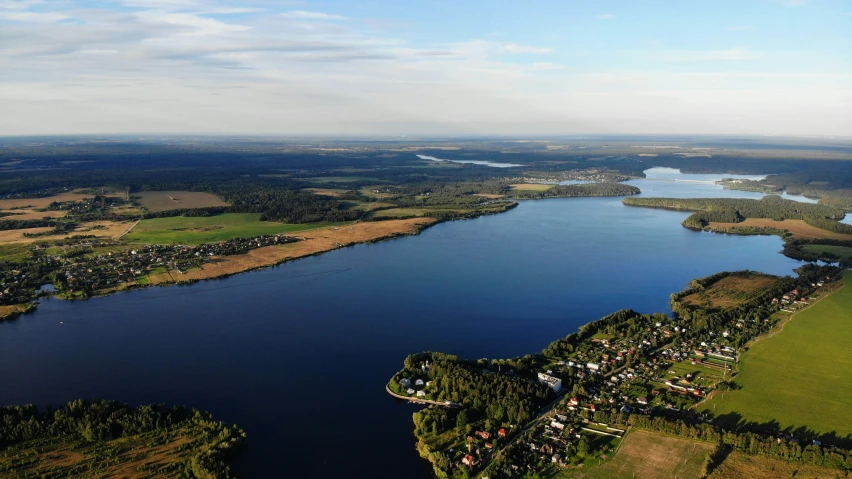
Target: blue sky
(426, 67)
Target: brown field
(738, 465)
(133, 458)
(648, 455)
(174, 200)
(113, 229)
(31, 203)
(490, 196)
(798, 228)
(7, 310)
(531, 186)
(313, 241)
(325, 191)
(32, 215)
(729, 291)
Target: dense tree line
(796, 249)
(736, 210)
(829, 225)
(575, 191)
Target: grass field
(649, 456)
(175, 200)
(799, 377)
(209, 229)
(738, 466)
(531, 187)
(160, 454)
(730, 291)
(839, 251)
(798, 228)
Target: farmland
(798, 228)
(805, 364)
(209, 229)
(531, 186)
(730, 291)
(738, 465)
(156, 201)
(649, 455)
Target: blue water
(472, 162)
(298, 354)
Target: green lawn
(840, 251)
(800, 377)
(209, 229)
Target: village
(79, 268)
(645, 364)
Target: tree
(462, 419)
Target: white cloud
(730, 54)
(515, 48)
(306, 15)
(605, 16)
(547, 66)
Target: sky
(426, 67)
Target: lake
(298, 355)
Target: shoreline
(406, 227)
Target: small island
(111, 439)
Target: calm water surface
(298, 355)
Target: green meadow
(839, 251)
(210, 229)
(801, 376)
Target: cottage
(469, 460)
(593, 366)
(419, 382)
(410, 391)
(501, 432)
(483, 434)
(421, 394)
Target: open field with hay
(738, 466)
(101, 229)
(799, 376)
(156, 201)
(209, 229)
(648, 455)
(312, 242)
(730, 291)
(798, 228)
(531, 186)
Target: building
(552, 382)
(593, 366)
(421, 394)
(405, 382)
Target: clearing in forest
(531, 186)
(155, 201)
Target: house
(469, 460)
(501, 432)
(483, 434)
(419, 382)
(557, 425)
(410, 391)
(405, 382)
(550, 381)
(642, 400)
(593, 366)
(421, 394)
(556, 458)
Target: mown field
(799, 377)
(175, 200)
(209, 229)
(798, 228)
(839, 251)
(730, 291)
(531, 186)
(739, 466)
(647, 455)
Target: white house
(593, 366)
(552, 382)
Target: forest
(735, 210)
(582, 190)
